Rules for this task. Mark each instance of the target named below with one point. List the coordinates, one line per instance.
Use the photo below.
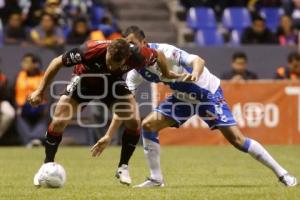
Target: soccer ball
(52, 175)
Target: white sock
(258, 152)
(152, 154)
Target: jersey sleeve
(181, 57)
(73, 57)
(133, 80)
(89, 50)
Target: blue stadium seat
(201, 18)
(272, 17)
(97, 13)
(209, 37)
(235, 37)
(236, 18)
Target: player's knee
(58, 125)
(237, 142)
(132, 124)
(148, 126)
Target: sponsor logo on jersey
(99, 66)
(75, 57)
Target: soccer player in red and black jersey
(99, 66)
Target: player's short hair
(293, 56)
(239, 54)
(258, 18)
(139, 33)
(52, 17)
(119, 49)
(34, 58)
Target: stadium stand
(201, 18)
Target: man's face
(47, 23)
(15, 21)
(131, 38)
(111, 64)
(258, 26)
(28, 65)
(286, 22)
(239, 64)
(81, 28)
(294, 66)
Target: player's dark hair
(239, 54)
(139, 33)
(119, 49)
(257, 17)
(34, 58)
(293, 56)
(54, 19)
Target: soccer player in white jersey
(197, 92)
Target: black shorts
(106, 88)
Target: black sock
(129, 142)
(51, 145)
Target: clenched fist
(35, 98)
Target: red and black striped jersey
(90, 58)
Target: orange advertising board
(268, 111)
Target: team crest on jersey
(176, 55)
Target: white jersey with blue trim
(180, 62)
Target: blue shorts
(214, 110)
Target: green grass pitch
(200, 173)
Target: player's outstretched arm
(36, 97)
(102, 143)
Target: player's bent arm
(198, 66)
(114, 125)
(164, 66)
(101, 144)
(36, 97)
(50, 73)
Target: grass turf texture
(210, 173)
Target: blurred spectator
(54, 8)
(7, 112)
(107, 29)
(110, 28)
(97, 35)
(295, 13)
(286, 33)
(32, 14)
(31, 121)
(47, 34)
(79, 33)
(9, 7)
(76, 8)
(14, 31)
(258, 33)
(239, 69)
(292, 70)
